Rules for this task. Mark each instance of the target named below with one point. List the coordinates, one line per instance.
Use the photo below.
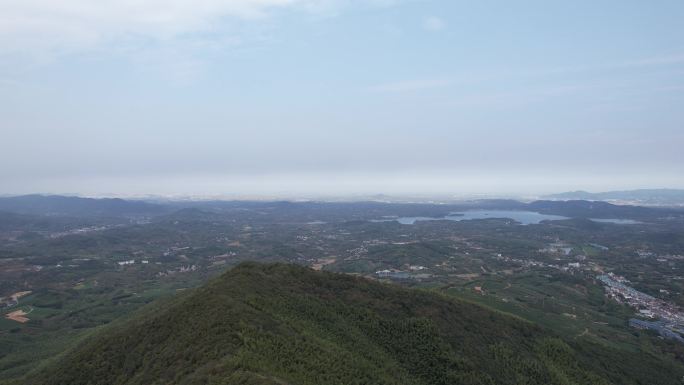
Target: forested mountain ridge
(284, 324)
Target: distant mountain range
(284, 324)
(655, 197)
(36, 208)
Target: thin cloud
(520, 97)
(37, 27)
(41, 26)
(434, 23)
(656, 60)
(653, 61)
(491, 78)
(176, 38)
(412, 85)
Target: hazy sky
(340, 96)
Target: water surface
(522, 217)
(617, 221)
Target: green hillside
(283, 324)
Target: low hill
(598, 209)
(656, 197)
(283, 324)
(57, 205)
(13, 222)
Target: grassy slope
(280, 324)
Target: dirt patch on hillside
(20, 294)
(18, 316)
(322, 262)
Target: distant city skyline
(340, 97)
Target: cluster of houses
(393, 274)
(131, 262)
(660, 327)
(182, 269)
(399, 274)
(670, 319)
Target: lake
(522, 217)
(617, 221)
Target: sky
(335, 97)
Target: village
(668, 319)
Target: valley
(548, 272)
